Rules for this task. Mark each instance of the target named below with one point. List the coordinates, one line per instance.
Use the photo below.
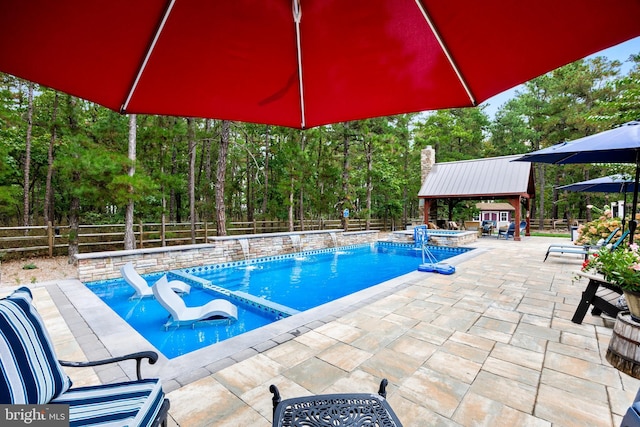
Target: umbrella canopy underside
(303, 63)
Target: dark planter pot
(633, 302)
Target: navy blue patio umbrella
(617, 145)
(617, 183)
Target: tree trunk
(405, 172)
(369, 157)
(48, 193)
(129, 235)
(74, 229)
(174, 211)
(541, 204)
(221, 171)
(191, 135)
(265, 196)
(301, 193)
(74, 204)
(163, 216)
(27, 159)
(207, 169)
(345, 178)
(290, 210)
(250, 188)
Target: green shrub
(593, 232)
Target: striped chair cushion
(30, 372)
(134, 403)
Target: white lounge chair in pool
(142, 288)
(218, 309)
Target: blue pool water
(278, 286)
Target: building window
(504, 216)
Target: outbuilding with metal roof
(493, 178)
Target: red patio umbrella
(300, 63)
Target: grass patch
(563, 235)
(30, 266)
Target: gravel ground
(14, 273)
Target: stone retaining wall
(106, 265)
(443, 239)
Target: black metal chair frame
(151, 356)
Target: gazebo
(493, 178)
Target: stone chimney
(427, 160)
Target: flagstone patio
(492, 344)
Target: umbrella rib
(453, 64)
(147, 56)
(562, 160)
(297, 16)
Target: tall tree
(27, 158)
(48, 198)
(221, 217)
(129, 235)
(191, 137)
(345, 203)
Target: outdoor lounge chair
(31, 374)
(587, 249)
(602, 242)
(142, 288)
(334, 409)
(180, 314)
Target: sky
(620, 52)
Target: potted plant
(620, 267)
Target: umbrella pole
(624, 209)
(633, 222)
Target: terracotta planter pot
(633, 302)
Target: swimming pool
(264, 290)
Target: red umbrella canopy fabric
(300, 63)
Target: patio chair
(523, 227)
(586, 249)
(180, 314)
(142, 288)
(632, 416)
(509, 231)
(31, 374)
(334, 409)
(603, 296)
(487, 227)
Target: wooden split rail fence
(17, 242)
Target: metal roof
(494, 177)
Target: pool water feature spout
(334, 239)
(296, 244)
(244, 244)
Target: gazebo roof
(490, 178)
